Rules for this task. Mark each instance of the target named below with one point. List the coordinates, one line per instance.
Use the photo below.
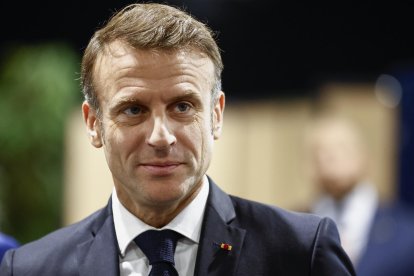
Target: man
(376, 235)
(151, 78)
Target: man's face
(157, 125)
(338, 157)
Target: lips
(160, 168)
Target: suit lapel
(99, 254)
(217, 230)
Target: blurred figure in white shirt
(377, 236)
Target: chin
(167, 190)
(165, 199)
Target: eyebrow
(188, 94)
(121, 102)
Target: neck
(156, 215)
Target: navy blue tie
(159, 247)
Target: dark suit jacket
(266, 241)
(390, 248)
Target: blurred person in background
(377, 235)
(6, 242)
(152, 83)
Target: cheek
(205, 139)
(121, 142)
(196, 137)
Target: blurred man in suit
(153, 101)
(378, 236)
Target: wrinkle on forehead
(119, 51)
(121, 59)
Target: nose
(161, 136)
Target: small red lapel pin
(226, 246)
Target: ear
(92, 124)
(218, 115)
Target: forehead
(119, 61)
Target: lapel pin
(226, 246)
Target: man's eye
(133, 110)
(182, 107)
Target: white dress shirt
(353, 215)
(132, 261)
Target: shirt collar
(187, 222)
(361, 201)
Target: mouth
(161, 168)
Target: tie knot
(158, 246)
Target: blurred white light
(388, 90)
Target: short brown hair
(150, 26)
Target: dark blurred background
(294, 45)
(271, 49)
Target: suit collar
(221, 202)
(99, 254)
(219, 228)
